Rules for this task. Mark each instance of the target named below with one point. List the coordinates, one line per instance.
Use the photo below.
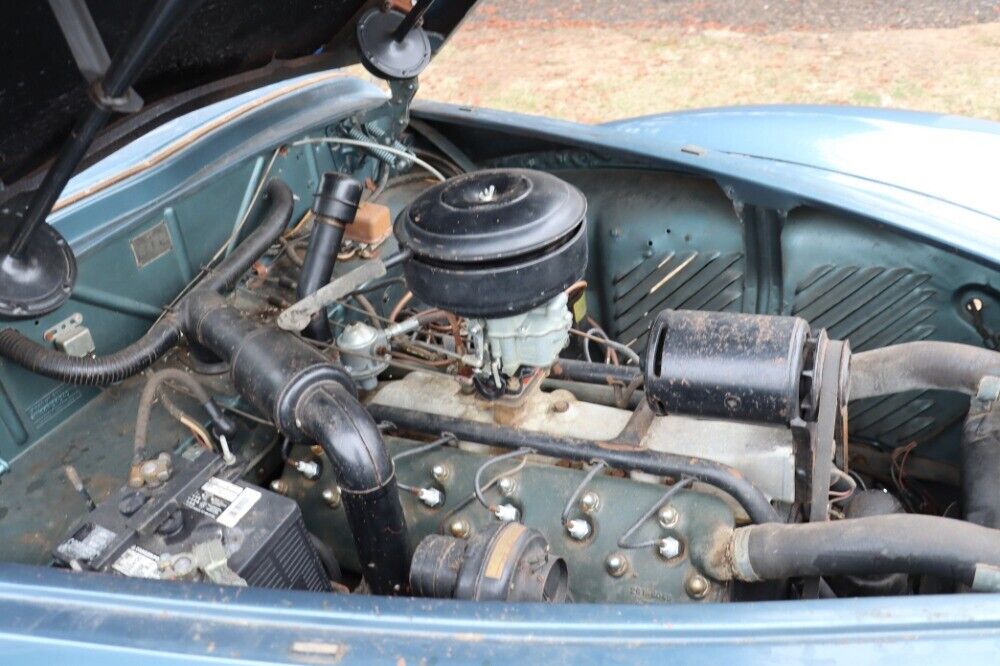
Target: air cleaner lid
(490, 215)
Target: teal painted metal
(190, 192)
(540, 492)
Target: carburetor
(499, 248)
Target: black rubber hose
(334, 419)
(275, 221)
(91, 371)
(981, 463)
(324, 245)
(163, 335)
(571, 448)
(947, 366)
(335, 204)
(311, 400)
(901, 543)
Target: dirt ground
(550, 59)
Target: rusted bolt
(668, 516)
(440, 473)
(697, 586)
(616, 565)
(332, 497)
(590, 502)
(279, 486)
(460, 528)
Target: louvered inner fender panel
(662, 240)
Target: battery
(200, 524)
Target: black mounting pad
(41, 278)
(385, 57)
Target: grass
(596, 73)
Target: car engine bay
(478, 435)
(452, 361)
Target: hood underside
(224, 47)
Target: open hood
(222, 48)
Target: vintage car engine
(464, 443)
(502, 251)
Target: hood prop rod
(110, 92)
(114, 85)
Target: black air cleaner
(494, 243)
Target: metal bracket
(91, 56)
(829, 429)
(71, 337)
(385, 124)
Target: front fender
(950, 158)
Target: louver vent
(678, 280)
(874, 307)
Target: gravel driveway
(763, 16)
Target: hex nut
(506, 486)
(669, 548)
(578, 529)
(616, 565)
(507, 513)
(440, 472)
(332, 497)
(430, 497)
(668, 516)
(460, 528)
(697, 586)
(590, 502)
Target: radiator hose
(947, 366)
(898, 543)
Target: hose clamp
(130, 102)
(989, 389)
(739, 556)
(986, 578)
